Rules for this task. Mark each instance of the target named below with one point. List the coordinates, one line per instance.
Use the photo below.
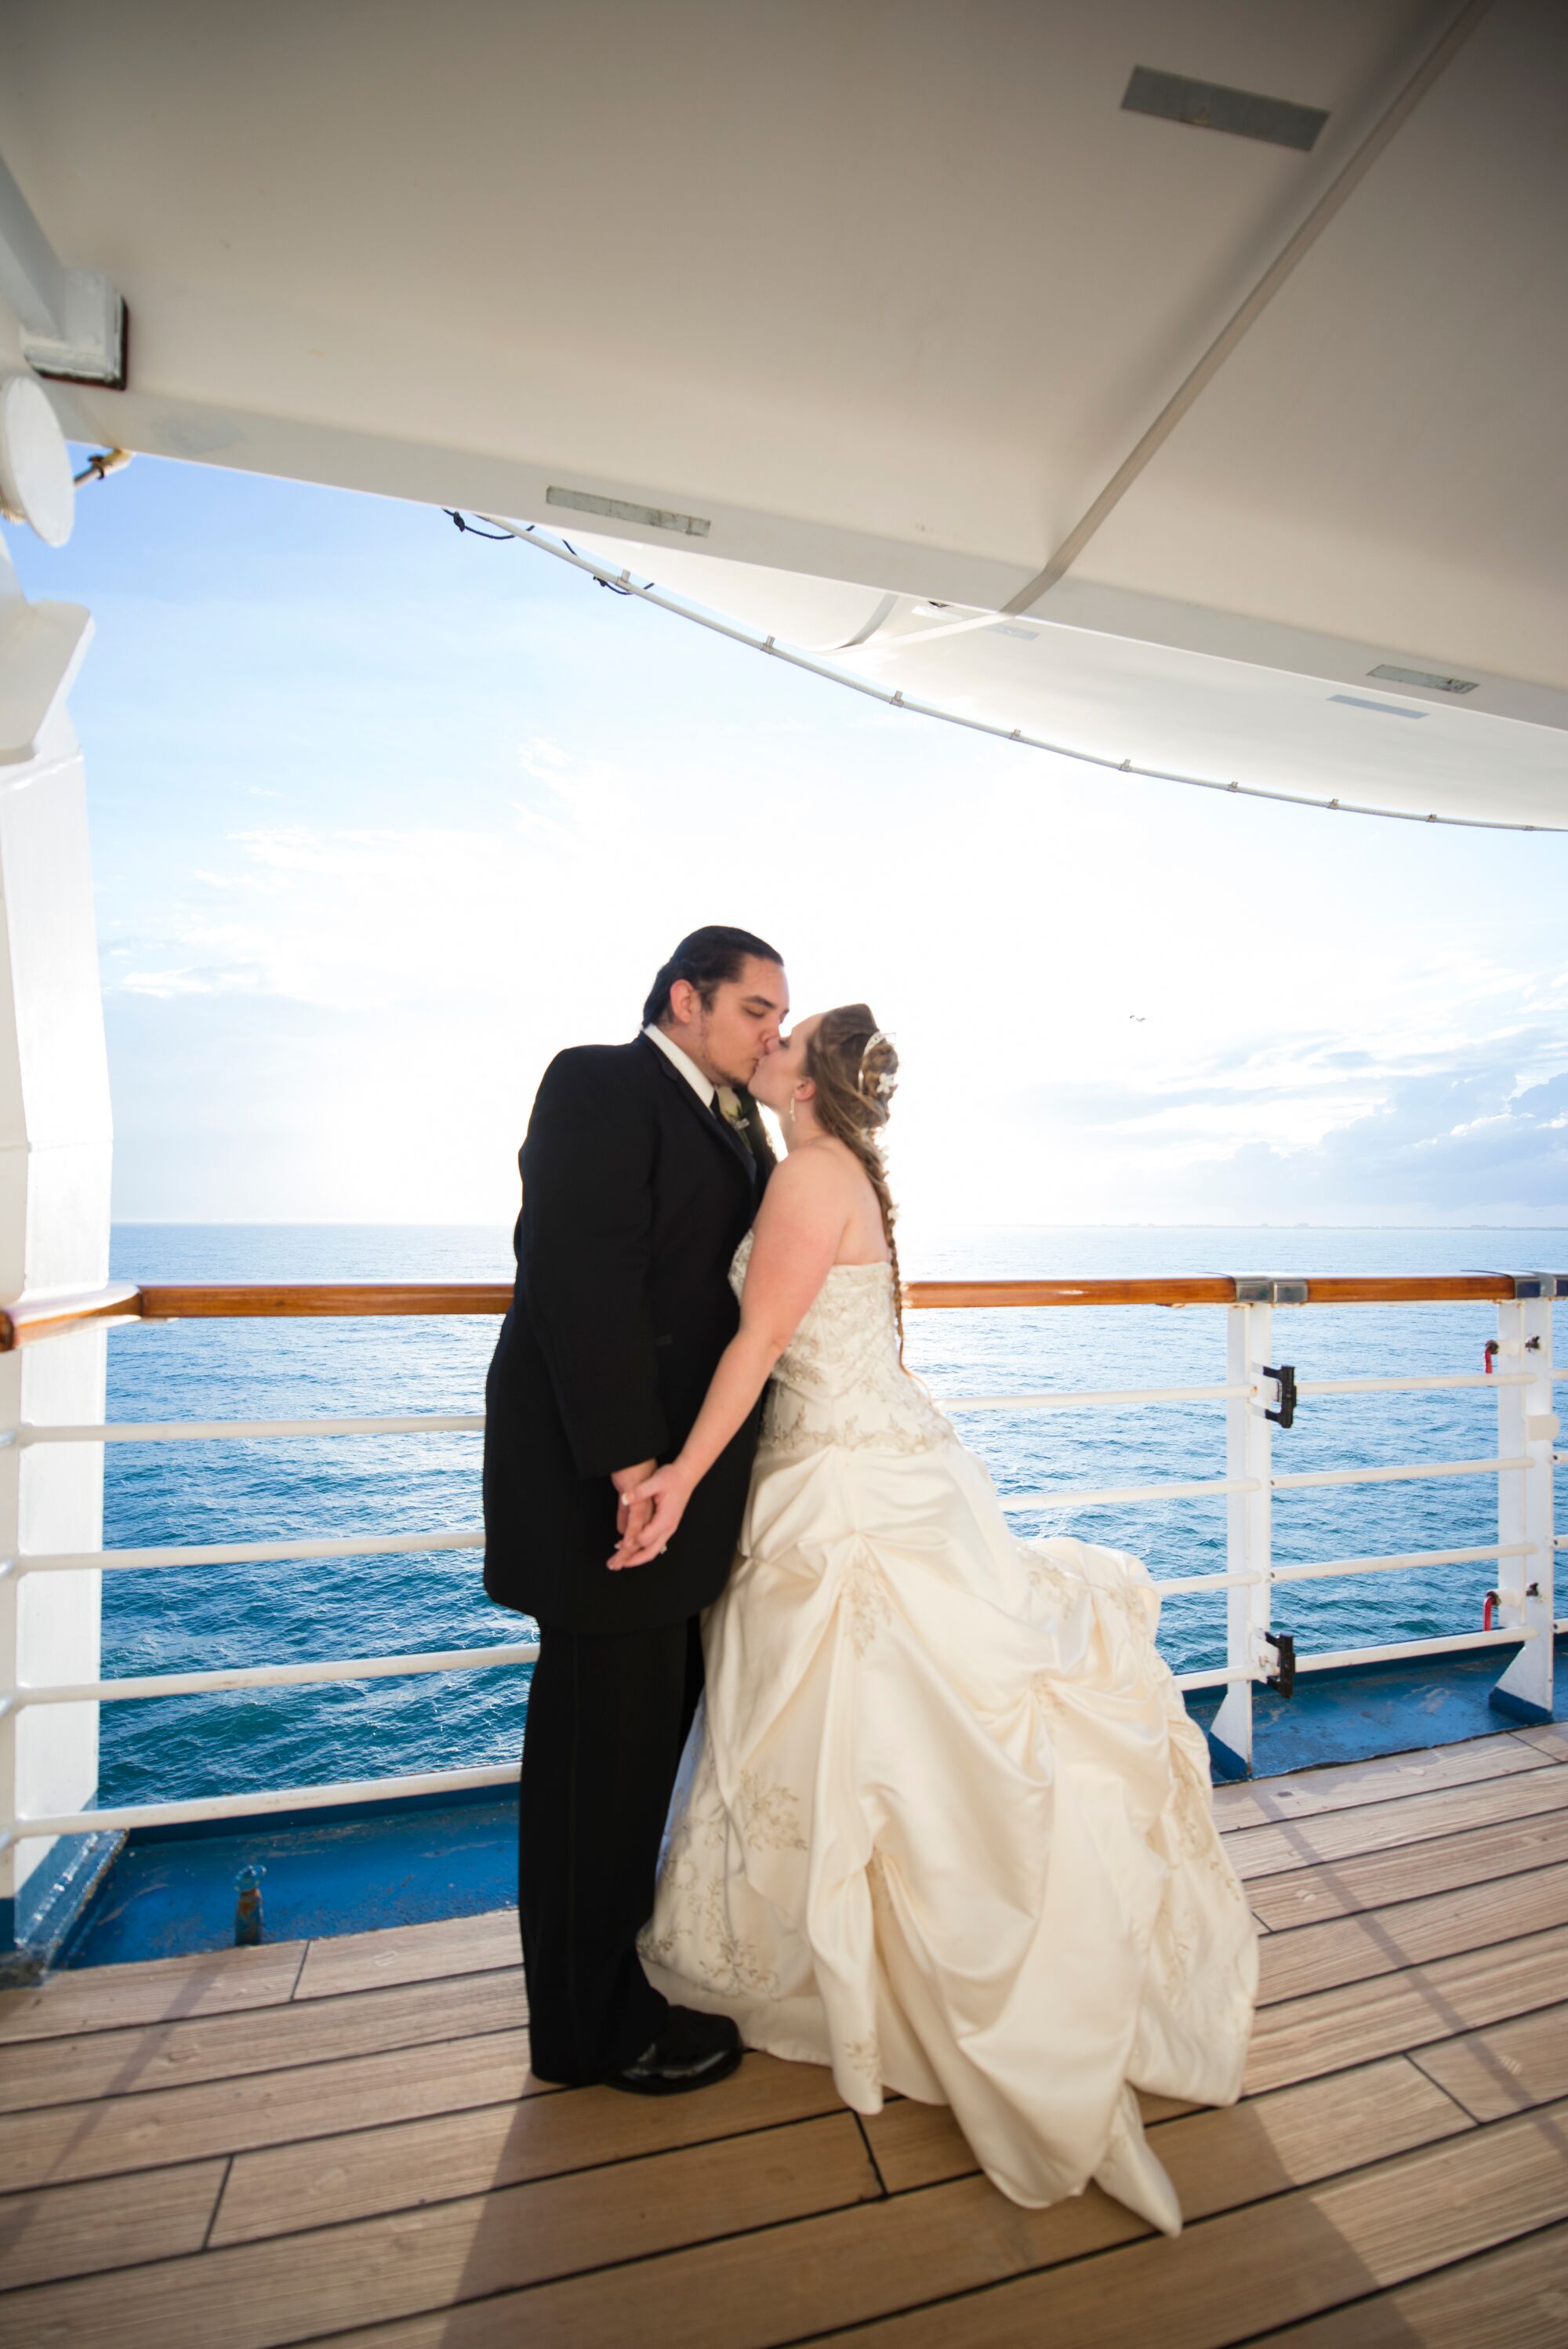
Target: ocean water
(193, 1619)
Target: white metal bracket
(1251, 1290)
(73, 322)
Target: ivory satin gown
(943, 1822)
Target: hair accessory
(884, 1083)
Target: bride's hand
(666, 1493)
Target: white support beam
(72, 320)
(54, 1234)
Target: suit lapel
(734, 1149)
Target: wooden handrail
(43, 1317)
(945, 1296)
(46, 1317)
(306, 1300)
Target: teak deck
(340, 2139)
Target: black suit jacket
(634, 1199)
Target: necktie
(735, 1122)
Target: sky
(383, 816)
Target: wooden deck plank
(1301, 2038)
(1332, 1835)
(1550, 1738)
(221, 2046)
(822, 2277)
(1319, 2247)
(143, 2132)
(1226, 2155)
(787, 2283)
(1375, 1879)
(1341, 1785)
(409, 1953)
(1507, 2068)
(1515, 2298)
(1412, 1932)
(358, 2174)
(107, 1998)
(254, 2295)
(74, 2230)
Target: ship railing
(1520, 1373)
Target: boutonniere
(734, 1114)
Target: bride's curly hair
(855, 1071)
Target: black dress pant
(608, 1714)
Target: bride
(943, 1822)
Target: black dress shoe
(692, 2051)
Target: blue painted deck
(171, 1890)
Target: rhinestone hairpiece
(886, 1082)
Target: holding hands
(630, 1515)
(649, 1512)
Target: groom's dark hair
(707, 959)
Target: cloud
(1286, 1132)
(215, 980)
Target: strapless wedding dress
(943, 1822)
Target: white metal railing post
(1527, 1428)
(1248, 1530)
(10, 1628)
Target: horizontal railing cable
(1300, 1481)
(236, 1431)
(348, 1792)
(1404, 1650)
(1327, 1569)
(249, 1676)
(1080, 1496)
(1088, 1399)
(1413, 1386)
(245, 1553)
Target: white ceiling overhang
(883, 296)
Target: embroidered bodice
(839, 1381)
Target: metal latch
(1283, 1645)
(1285, 1379)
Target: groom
(641, 1171)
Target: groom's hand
(631, 1516)
(659, 1508)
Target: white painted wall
(54, 1234)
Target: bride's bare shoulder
(817, 1183)
(816, 1171)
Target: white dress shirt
(702, 1086)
